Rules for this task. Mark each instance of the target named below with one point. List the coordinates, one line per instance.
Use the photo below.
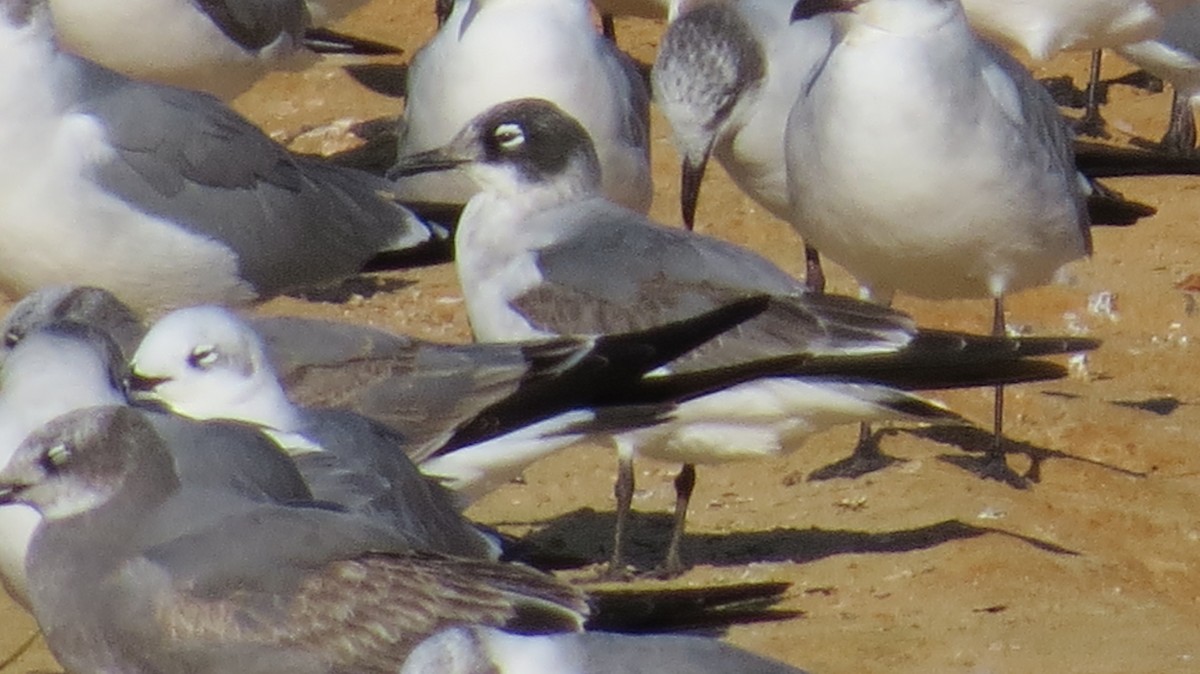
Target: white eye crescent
(203, 357)
(58, 455)
(509, 136)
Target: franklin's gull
(1043, 28)
(726, 77)
(66, 366)
(135, 570)
(963, 185)
(220, 47)
(1174, 56)
(491, 51)
(164, 196)
(540, 251)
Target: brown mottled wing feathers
(365, 615)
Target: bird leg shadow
(866, 458)
(974, 440)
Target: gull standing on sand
(726, 77)
(928, 162)
(1174, 56)
(1043, 28)
(491, 51)
(164, 196)
(541, 251)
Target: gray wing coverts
(613, 271)
(186, 158)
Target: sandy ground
(921, 567)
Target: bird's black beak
(11, 493)
(440, 159)
(807, 9)
(136, 383)
(691, 175)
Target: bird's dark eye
(12, 338)
(203, 357)
(509, 136)
(56, 457)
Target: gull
(491, 51)
(220, 47)
(480, 650)
(726, 77)
(135, 570)
(448, 401)
(206, 363)
(1174, 56)
(541, 251)
(30, 395)
(85, 305)
(164, 196)
(67, 366)
(965, 185)
(1043, 28)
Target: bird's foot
(1092, 126)
(991, 467)
(616, 574)
(670, 568)
(866, 458)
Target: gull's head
(515, 147)
(79, 461)
(203, 362)
(57, 368)
(890, 16)
(708, 61)
(81, 304)
(26, 24)
(22, 12)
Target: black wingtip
(807, 9)
(326, 41)
(672, 609)
(1100, 160)
(637, 353)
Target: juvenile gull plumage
(134, 571)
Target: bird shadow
(975, 440)
(586, 534)
(1066, 93)
(1163, 406)
(364, 287)
(386, 79)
